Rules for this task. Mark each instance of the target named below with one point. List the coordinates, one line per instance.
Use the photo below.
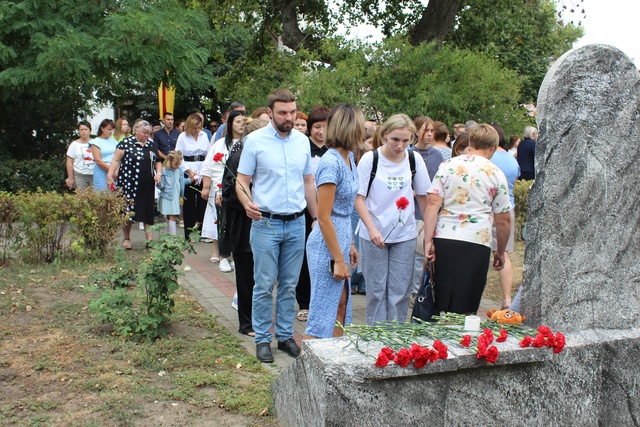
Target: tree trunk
(292, 36)
(436, 22)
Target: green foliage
(31, 175)
(120, 275)
(44, 218)
(521, 35)
(252, 80)
(142, 314)
(446, 84)
(97, 216)
(54, 56)
(37, 224)
(521, 198)
(346, 79)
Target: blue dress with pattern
(325, 290)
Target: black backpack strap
(412, 165)
(374, 169)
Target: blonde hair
(345, 127)
(252, 124)
(483, 137)
(192, 121)
(260, 111)
(171, 157)
(117, 133)
(397, 121)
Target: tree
(56, 57)
(523, 36)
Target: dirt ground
(57, 368)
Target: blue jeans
(278, 250)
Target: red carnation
(492, 354)
(422, 358)
(482, 347)
(403, 357)
(402, 203)
(489, 334)
(415, 351)
(465, 341)
(560, 342)
(539, 341)
(433, 355)
(503, 336)
(545, 331)
(388, 352)
(219, 185)
(526, 341)
(420, 363)
(382, 360)
(442, 349)
(218, 157)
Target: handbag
(424, 306)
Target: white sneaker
(225, 267)
(234, 303)
(233, 265)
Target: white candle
(471, 323)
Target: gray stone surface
(583, 246)
(581, 277)
(593, 382)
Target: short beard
(282, 126)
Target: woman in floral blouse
(466, 194)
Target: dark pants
(461, 274)
(224, 240)
(527, 175)
(193, 208)
(244, 287)
(303, 290)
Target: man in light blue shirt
(276, 160)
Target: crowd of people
(324, 206)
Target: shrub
(521, 197)
(142, 313)
(8, 215)
(31, 175)
(97, 216)
(44, 218)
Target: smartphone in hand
(331, 266)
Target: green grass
(60, 349)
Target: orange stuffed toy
(506, 317)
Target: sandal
(215, 259)
(126, 243)
(303, 315)
(506, 305)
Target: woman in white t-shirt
(467, 194)
(80, 159)
(387, 227)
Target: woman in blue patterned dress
(330, 251)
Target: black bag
(424, 306)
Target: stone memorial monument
(582, 269)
